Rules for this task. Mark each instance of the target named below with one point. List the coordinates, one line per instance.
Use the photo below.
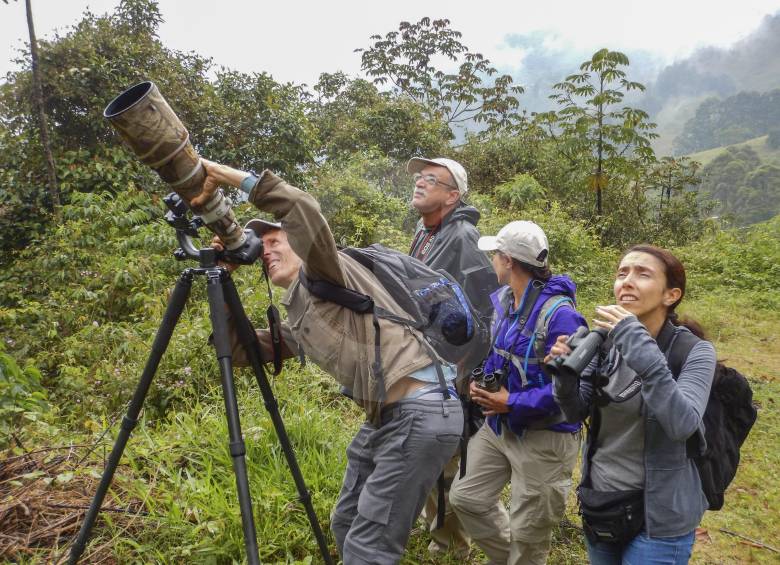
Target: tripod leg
(175, 307)
(246, 334)
(237, 447)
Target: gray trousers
(390, 471)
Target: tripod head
(186, 228)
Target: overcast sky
(296, 40)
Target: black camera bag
(611, 517)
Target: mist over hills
(548, 59)
(674, 91)
(750, 65)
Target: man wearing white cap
(446, 235)
(446, 238)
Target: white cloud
(297, 40)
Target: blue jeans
(643, 550)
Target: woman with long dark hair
(640, 494)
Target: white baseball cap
(417, 164)
(521, 240)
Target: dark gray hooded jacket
(452, 247)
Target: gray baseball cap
(261, 227)
(521, 240)
(417, 164)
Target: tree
(37, 96)
(593, 127)
(255, 123)
(353, 116)
(405, 60)
(673, 175)
(246, 120)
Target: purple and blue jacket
(534, 401)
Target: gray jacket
(453, 248)
(673, 411)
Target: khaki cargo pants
(452, 535)
(539, 465)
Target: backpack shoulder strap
(343, 296)
(676, 345)
(541, 329)
(509, 354)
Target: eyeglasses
(431, 180)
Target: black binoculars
(490, 382)
(584, 344)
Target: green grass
(180, 468)
(766, 153)
(177, 468)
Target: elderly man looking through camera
(411, 430)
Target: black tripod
(221, 291)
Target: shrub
(21, 397)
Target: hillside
(743, 179)
(758, 144)
(718, 122)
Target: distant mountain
(735, 119)
(750, 65)
(743, 178)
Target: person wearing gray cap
(526, 440)
(446, 238)
(411, 429)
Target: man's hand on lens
(210, 185)
(217, 244)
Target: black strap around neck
(274, 325)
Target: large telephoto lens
(155, 134)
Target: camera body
(584, 344)
(186, 228)
(490, 382)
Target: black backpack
(434, 302)
(728, 418)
